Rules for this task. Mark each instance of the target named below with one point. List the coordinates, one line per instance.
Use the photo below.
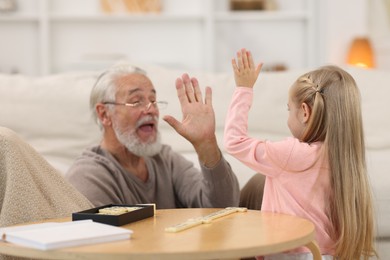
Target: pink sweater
(297, 174)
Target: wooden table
(241, 234)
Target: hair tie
(319, 90)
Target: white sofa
(52, 114)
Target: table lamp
(361, 53)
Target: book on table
(53, 235)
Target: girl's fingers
(234, 65)
(250, 60)
(244, 56)
(240, 61)
(258, 68)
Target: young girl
(320, 172)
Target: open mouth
(147, 125)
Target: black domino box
(144, 211)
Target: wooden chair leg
(315, 250)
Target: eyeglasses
(140, 104)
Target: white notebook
(63, 234)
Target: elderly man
(131, 166)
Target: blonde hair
(336, 119)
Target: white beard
(131, 141)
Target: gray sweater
(173, 181)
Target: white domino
(185, 225)
(222, 213)
(192, 222)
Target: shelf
(125, 18)
(18, 18)
(190, 34)
(261, 15)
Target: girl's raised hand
(245, 71)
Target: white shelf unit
(50, 36)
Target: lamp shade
(361, 53)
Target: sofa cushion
(374, 87)
(51, 113)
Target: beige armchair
(251, 194)
(30, 188)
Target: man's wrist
(209, 153)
